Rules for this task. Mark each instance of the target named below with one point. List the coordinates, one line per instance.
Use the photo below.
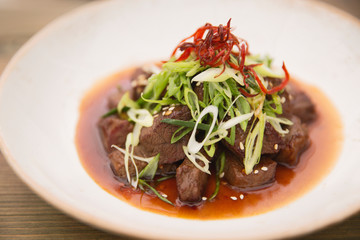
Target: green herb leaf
(176, 137)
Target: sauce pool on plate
(326, 139)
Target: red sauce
(315, 163)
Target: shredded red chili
(214, 45)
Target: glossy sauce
(325, 134)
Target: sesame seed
(165, 108)
(264, 169)
(204, 198)
(163, 113)
(241, 146)
(222, 175)
(283, 100)
(233, 198)
(155, 112)
(256, 171)
(156, 115)
(241, 196)
(198, 83)
(168, 112)
(164, 195)
(276, 146)
(172, 108)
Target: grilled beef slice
(262, 175)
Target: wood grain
(24, 215)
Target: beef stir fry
(215, 109)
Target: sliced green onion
(197, 156)
(193, 145)
(220, 164)
(276, 124)
(150, 170)
(165, 178)
(143, 182)
(213, 75)
(126, 101)
(192, 102)
(110, 112)
(123, 151)
(176, 137)
(188, 124)
(253, 144)
(141, 116)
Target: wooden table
(24, 215)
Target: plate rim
(85, 217)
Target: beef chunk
(118, 166)
(114, 131)
(191, 182)
(271, 138)
(138, 82)
(296, 102)
(296, 141)
(115, 98)
(199, 90)
(303, 107)
(157, 138)
(262, 176)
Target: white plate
(42, 87)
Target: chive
(220, 164)
(143, 182)
(188, 124)
(109, 113)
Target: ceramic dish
(41, 89)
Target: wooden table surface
(24, 215)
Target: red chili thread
(215, 50)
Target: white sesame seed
(256, 171)
(164, 195)
(264, 169)
(198, 83)
(204, 198)
(283, 100)
(163, 113)
(155, 112)
(222, 175)
(241, 196)
(168, 112)
(241, 146)
(172, 108)
(276, 146)
(156, 115)
(165, 108)
(233, 198)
